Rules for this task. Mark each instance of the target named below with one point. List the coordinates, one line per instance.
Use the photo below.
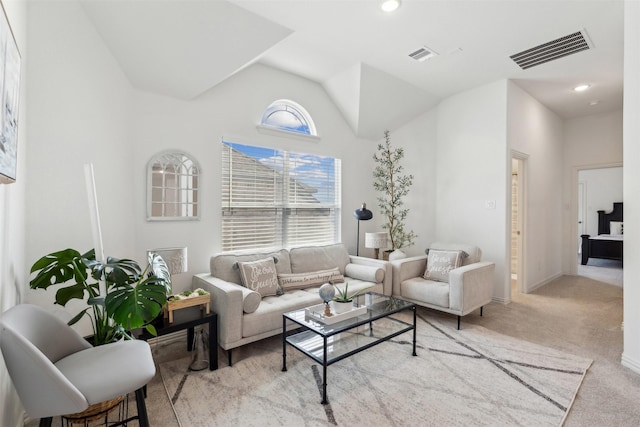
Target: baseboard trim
(501, 300)
(542, 283)
(631, 363)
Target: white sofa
(463, 290)
(244, 316)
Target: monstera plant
(119, 294)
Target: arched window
(288, 116)
(172, 186)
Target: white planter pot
(397, 254)
(342, 307)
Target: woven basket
(95, 411)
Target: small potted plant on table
(342, 301)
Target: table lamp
(376, 241)
(175, 258)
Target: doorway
(518, 210)
(598, 188)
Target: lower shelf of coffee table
(347, 343)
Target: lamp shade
(375, 240)
(363, 214)
(176, 258)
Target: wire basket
(95, 411)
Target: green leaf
(160, 269)
(151, 329)
(78, 317)
(58, 267)
(133, 307)
(63, 295)
(121, 271)
(96, 301)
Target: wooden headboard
(605, 218)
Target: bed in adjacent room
(608, 243)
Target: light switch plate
(490, 204)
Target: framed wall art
(9, 97)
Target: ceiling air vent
(555, 49)
(423, 54)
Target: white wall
(590, 142)
(631, 353)
(603, 187)
(12, 218)
(535, 131)
(471, 169)
(79, 112)
(232, 110)
(418, 139)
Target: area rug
(471, 377)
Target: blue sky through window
(317, 172)
(289, 116)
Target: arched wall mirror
(173, 180)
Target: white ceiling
(360, 54)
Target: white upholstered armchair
(451, 278)
(56, 372)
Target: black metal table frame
(325, 363)
(189, 325)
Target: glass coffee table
(328, 343)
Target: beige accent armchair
(469, 287)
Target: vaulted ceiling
(361, 55)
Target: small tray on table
(316, 312)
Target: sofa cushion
(355, 286)
(268, 316)
(365, 272)
(314, 258)
(306, 280)
(260, 276)
(224, 266)
(427, 291)
(440, 263)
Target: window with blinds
(276, 198)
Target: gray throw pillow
(307, 280)
(440, 263)
(260, 276)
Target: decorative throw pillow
(440, 263)
(260, 276)
(307, 280)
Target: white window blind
(275, 198)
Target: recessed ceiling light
(581, 88)
(389, 5)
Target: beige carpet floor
(575, 314)
(469, 377)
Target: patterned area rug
(471, 377)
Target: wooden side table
(188, 318)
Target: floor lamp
(362, 214)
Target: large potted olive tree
(389, 180)
(119, 294)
